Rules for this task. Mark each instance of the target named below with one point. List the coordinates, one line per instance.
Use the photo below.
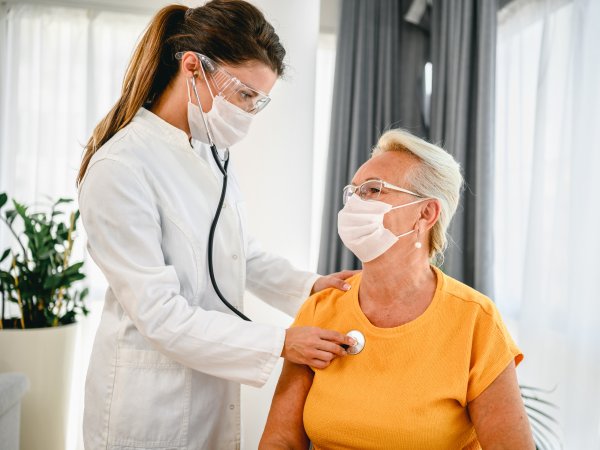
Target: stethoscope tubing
(213, 227)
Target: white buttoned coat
(168, 356)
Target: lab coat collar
(162, 129)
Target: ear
(430, 213)
(190, 65)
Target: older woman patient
(437, 369)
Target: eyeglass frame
(384, 184)
(205, 60)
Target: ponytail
(144, 80)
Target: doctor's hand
(314, 346)
(335, 280)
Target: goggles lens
(230, 88)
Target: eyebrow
(368, 179)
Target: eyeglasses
(230, 88)
(372, 189)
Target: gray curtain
(463, 44)
(378, 85)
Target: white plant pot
(45, 355)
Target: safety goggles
(229, 87)
(372, 189)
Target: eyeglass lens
(369, 190)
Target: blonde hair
(437, 176)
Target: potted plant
(41, 301)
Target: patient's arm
(499, 415)
(285, 428)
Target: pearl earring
(418, 243)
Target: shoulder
(326, 302)
(125, 147)
(113, 175)
(119, 160)
(476, 315)
(461, 300)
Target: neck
(397, 276)
(172, 109)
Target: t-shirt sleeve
(306, 313)
(492, 351)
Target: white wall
(274, 165)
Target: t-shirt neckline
(408, 326)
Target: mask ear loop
(418, 243)
(192, 83)
(405, 234)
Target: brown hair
(228, 31)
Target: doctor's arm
(124, 238)
(276, 281)
(499, 416)
(285, 427)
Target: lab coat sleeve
(274, 279)
(124, 239)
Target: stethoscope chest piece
(360, 342)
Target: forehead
(392, 166)
(255, 74)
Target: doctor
(169, 355)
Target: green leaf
(21, 209)
(63, 200)
(52, 282)
(10, 216)
(3, 199)
(5, 254)
(73, 268)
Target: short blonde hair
(437, 176)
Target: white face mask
(360, 226)
(227, 123)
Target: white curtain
(61, 71)
(546, 202)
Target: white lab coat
(169, 356)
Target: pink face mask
(360, 227)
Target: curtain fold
(378, 85)
(463, 40)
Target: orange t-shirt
(410, 386)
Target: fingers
(314, 346)
(339, 283)
(335, 349)
(345, 274)
(318, 364)
(338, 338)
(335, 280)
(321, 359)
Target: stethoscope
(223, 164)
